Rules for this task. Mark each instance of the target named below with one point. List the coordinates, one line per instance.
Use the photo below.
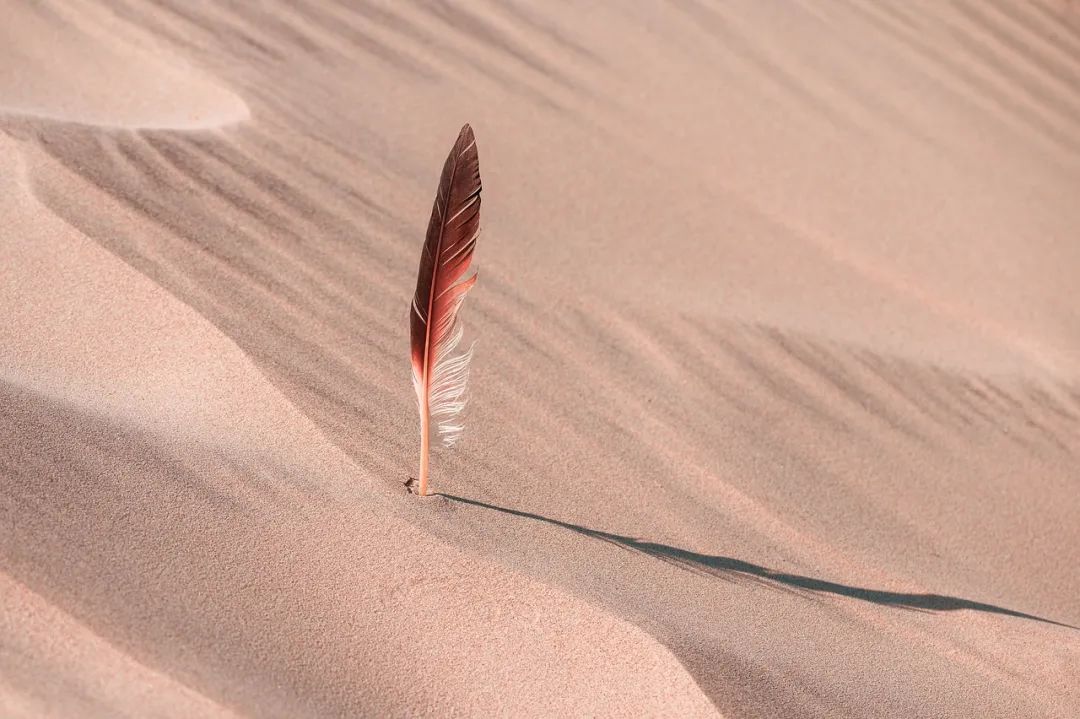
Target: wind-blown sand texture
(775, 408)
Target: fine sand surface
(775, 407)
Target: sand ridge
(77, 62)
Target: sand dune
(775, 407)
(78, 63)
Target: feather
(440, 372)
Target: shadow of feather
(729, 568)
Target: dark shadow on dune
(731, 569)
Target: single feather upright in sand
(440, 375)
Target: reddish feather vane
(440, 375)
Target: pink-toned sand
(775, 409)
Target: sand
(775, 406)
